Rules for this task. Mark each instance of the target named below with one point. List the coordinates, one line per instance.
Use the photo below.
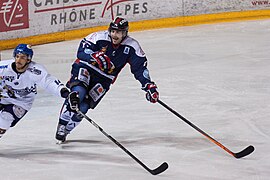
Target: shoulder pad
(135, 44)
(94, 37)
(36, 68)
(6, 62)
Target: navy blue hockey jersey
(129, 51)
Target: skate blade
(58, 142)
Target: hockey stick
(156, 171)
(240, 154)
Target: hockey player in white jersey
(19, 78)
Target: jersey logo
(18, 111)
(104, 49)
(35, 71)
(126, 50)
(146, 74)
(4, 66)
(88, 51)
(97, 92)
(7, 78)
(84, 76)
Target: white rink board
(197, 7)
(35, 17)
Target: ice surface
(217, 76)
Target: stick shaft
(196, 128)
(156, 171)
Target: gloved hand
(152, 94)
(103, 61)
(64, 92)
(74, 100)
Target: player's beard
(116, 40)
(21, 67)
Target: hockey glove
(64, 92)
(152, 94)
(74, 100)
(103, 61)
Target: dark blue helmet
(120, 24)
(23, 49)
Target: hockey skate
(61, 133)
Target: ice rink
(217, 76)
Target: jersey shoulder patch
(36, 68)
(135, 45)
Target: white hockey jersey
(21, 88)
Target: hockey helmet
(120, 24)
(23, 49)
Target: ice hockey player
(100, 58)
(19, 78)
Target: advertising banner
(24, 18)
(14, 15)
(198, 7)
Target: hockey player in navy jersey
(19, 78)
(100, 58)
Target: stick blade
(244, 152)
(160, 169)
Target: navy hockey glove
(74, 100)
(103, 61)
(152, 94)
(64, 92)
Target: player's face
(117, 36)
(21, 61)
